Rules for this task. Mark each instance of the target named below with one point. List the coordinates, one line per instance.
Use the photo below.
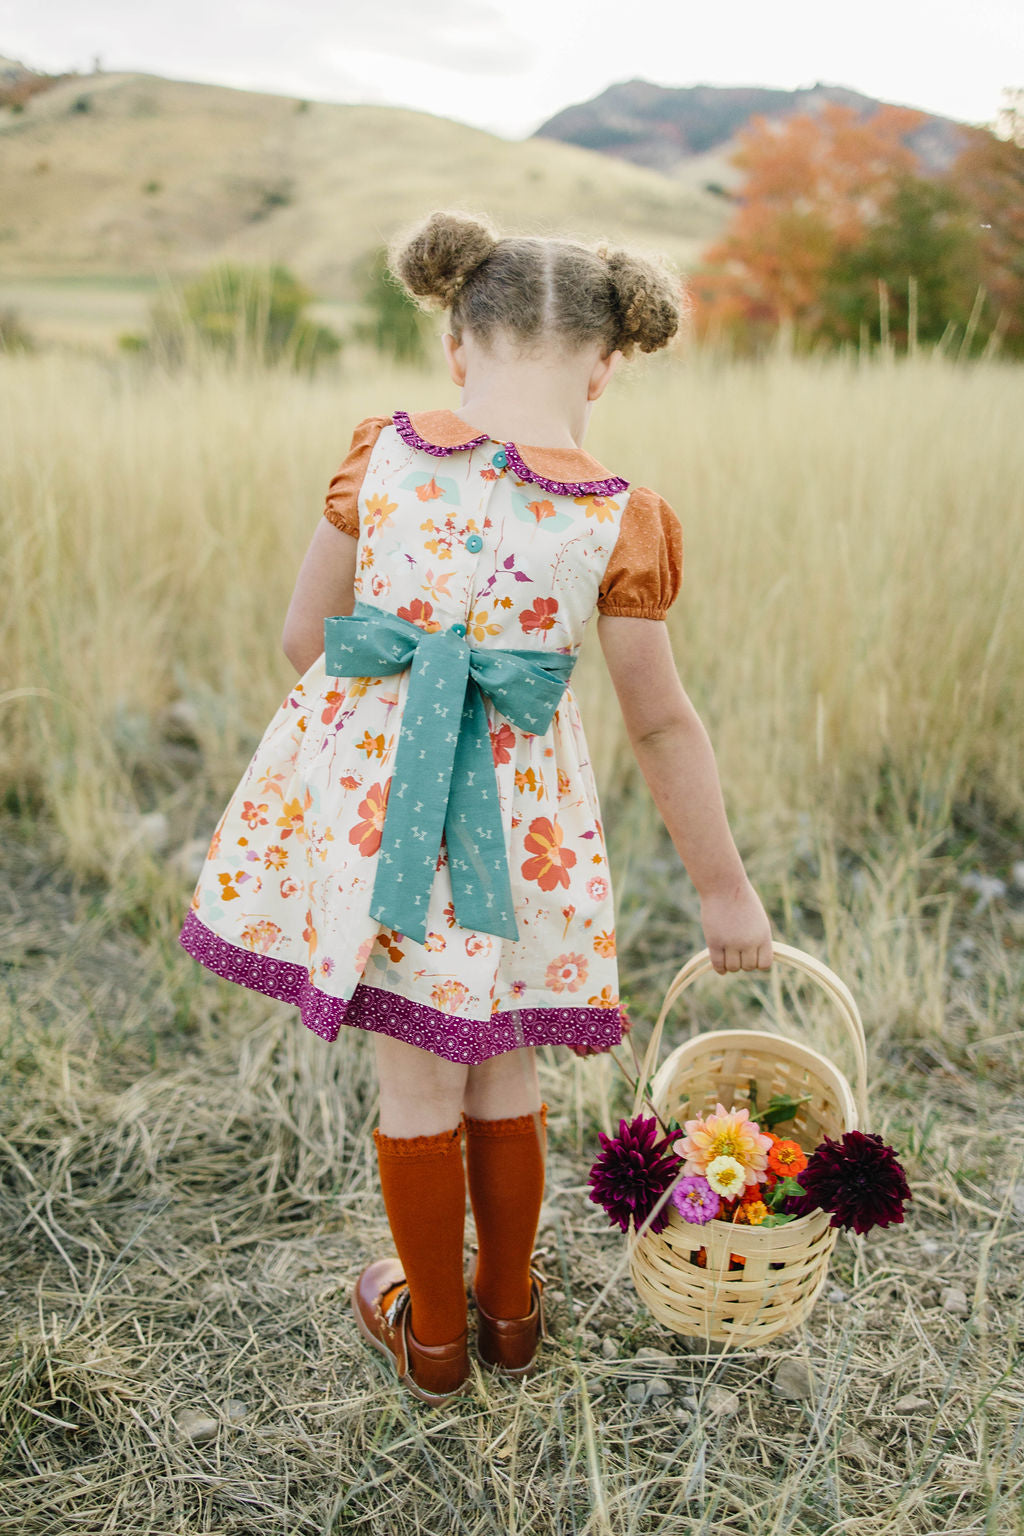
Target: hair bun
(647, 299)
(434, 260)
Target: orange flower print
(378, 510)
(502, 740)
(363, 953)
(437, 586)
(261, 935)
(421, 614)
(334, 700)
(540, 617)
(597, 887)
(361, 685)
(429, 492)
(228, 892)
(567, 973)
(449, 914)
(478, 626)
(288, 887)
(529, 783)
(350, 781)
(606, 998)
(541, 510)
(551, 863)
(366, 834)
(373, 746)
(293, 815)
(389, 942)
(380, 586)
(309, 932)
(254, 815)
(435, 942)
(270, 784)
(365, 558)
(449, 995)
(478, 944)
(604, 944)
(564, 784)
(275, 857)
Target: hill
(130, 175)
(688, 132)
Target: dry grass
(189, 1186)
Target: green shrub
(255, 313)
(393, 324)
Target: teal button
(474, 543)
(458, 629)
(500, 459)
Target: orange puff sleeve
(342, 505)
(645, 571)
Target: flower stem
(632, 1081)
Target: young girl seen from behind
(415, 848)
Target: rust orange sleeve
(645, 570)
(342, 505)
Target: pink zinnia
(695, 1200)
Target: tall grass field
(188, 1185)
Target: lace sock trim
(514, 1125)
(416, 1146)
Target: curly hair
(530, 286)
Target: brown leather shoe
(380, 1301)
(510, 1344)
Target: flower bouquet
(731, 1214)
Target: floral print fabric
(282, 904)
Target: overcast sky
(508, 66)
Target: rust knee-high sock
(505, 1166)
(424, 1188)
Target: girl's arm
(678, 763)
(324, 587)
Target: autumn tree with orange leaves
(830, 204)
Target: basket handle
(811, 966)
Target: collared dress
(514, 548)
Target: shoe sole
(435, 1399)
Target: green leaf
(784, 1187)
(780, 1107)
(775, 1219)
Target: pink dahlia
(726, 1133)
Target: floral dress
(515, 548)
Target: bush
(394, 324)
(13, 335)
(256, 313)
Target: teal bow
(443, 775)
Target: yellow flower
(725, 1175)
(756, 1212)
(479, 627)
(726, 1133)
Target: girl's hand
(736, 929)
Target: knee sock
(424, 1189)
(505, 1166)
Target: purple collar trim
(613, 486)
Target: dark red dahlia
(633, 1171)
(857, 1179)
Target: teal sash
(443, 775)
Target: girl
(415, 848)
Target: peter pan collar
(559, 471)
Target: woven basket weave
(784, 1267)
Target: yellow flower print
(373, 746)
(261, 935)
(604, 944)
(479, 627)
(378, 510)
(361, 685)
(292, 817)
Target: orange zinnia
(785, 1158)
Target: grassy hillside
(127, 175)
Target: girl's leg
(506, 1146)
(423, 1183)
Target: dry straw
(784, 1267)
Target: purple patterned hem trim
(387, 1013)
(613, 486)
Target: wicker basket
(784, 1267)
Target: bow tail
(477, 856)
(419, 790)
